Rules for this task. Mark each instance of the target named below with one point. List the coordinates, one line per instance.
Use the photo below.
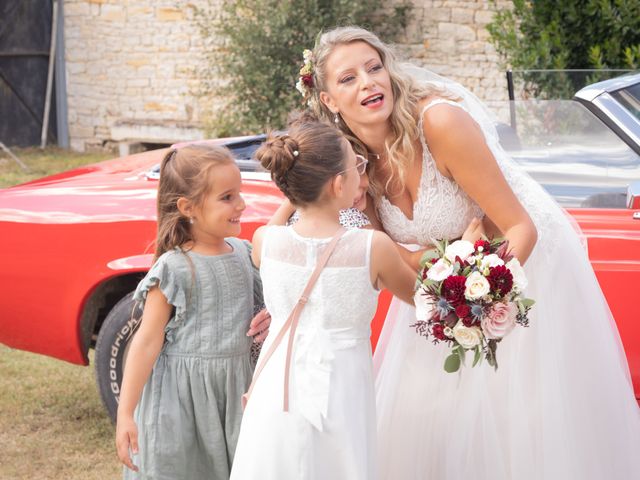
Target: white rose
(423, 305)
(476, 286)
(439, 271)
(459, 248)
(491, 260)
(519, 277)
(467, 337)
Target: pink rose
(499, 320)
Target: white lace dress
(329, 431)
(561, 404)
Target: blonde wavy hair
(400, 147)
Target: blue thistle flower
(477, 311)
(443, 308)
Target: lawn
(52, 424)
(41, 163)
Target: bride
(561, 405)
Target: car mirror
(633, 195)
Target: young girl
(191, 352)
(321, 425)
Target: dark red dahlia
(453, 289)
(438, 331)
(463, 310)
(500, 279)
(486, 246)
(307, 80)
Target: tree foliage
(256, 52)
(572, 34)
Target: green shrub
(256, 53)
(572, 34)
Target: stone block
(159, 107)
(456, 31)
(137, 82)
(483, 34)
(437, 15)
(113, 13)
(78, 131)
(484, 16)
(462, 15)
(138, 62)
(169, 14)
(76, 9)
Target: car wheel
(112, 348)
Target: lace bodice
(442, 209)
(286, 265)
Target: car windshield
(629, 98)
(567, 149)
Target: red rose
(486, 246)
(438, 331)
(453, 289)
(307, 80)
(500, 279)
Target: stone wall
(131, 72)
(132, 65)
(450, 38)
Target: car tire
(111, 350)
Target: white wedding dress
(561, 404)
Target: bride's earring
(336, 118)
(191, 220)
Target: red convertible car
(74, 245)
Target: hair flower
(305, 81)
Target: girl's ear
(336, 186)
(185, 207)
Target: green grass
(52, 423)
(41, 163)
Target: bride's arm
(460, 151)
(282, 214)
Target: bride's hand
(474, 231)
(259, 327)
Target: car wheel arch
(99, 302)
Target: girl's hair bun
(278, 154)
(304, 159)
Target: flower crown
(305, 80)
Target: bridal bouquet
(470, 296)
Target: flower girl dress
(329, 430)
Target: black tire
(111, 349)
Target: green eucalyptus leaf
(452, 363)
(477, 356)
(527, 302)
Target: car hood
(114, 190)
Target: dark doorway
(25, 36)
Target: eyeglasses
(360, 166)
